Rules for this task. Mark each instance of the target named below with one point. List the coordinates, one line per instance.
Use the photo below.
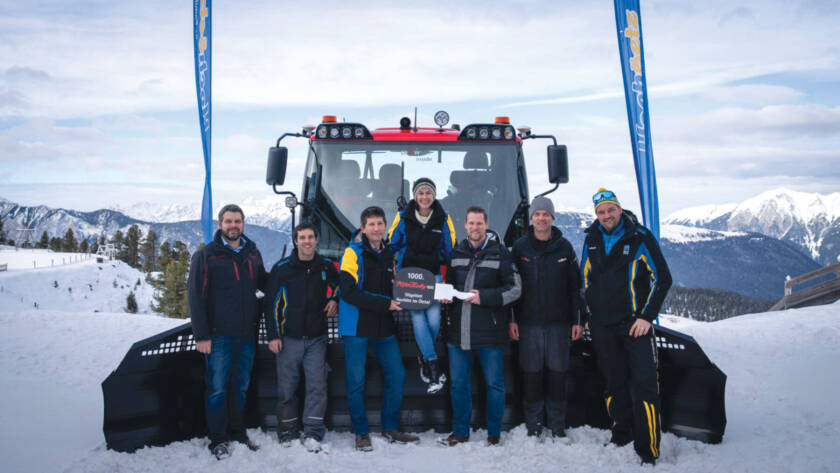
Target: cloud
(16, 73)
(754, 94)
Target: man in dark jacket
(625, 280)
(546, 318)
(480, 264)
(224, 278)
(302, 291)
(366, 316)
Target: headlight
(483, 133)
(497, 134)
(334, 132)
(347, 132)
(360, 132)
(471, 133)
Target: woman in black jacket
(422, 235)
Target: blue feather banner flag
(202, 41)
(629, 23)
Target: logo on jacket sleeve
(626, 250)
(561, 260)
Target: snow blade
(156, 395)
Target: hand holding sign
(414, 288)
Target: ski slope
(782, 408)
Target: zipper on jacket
(236, 269)
(250, 269)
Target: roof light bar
(342, 131)
(487, 132)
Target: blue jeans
(460, 364)
(229, 358)
(426, 324)
(387, 351)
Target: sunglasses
(603, 196)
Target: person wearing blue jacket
(365, 317)
(224, 279)
(422, 235)
(625, 280)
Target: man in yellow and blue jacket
(625, 279)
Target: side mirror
(275, 175)
(558, 164)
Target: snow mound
(781, 405)
(85, 286)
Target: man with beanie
(546, 318)
(625, 280)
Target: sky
(98, 103)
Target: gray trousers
(310, 354)
(544, 359)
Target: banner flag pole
(629, 24)
(202, 41)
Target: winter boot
(395, 436)
(452, 440)
(363, 443)
(220, 450)
(436, 376)
(424, 369)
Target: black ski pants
(632, 396)
(544, 359)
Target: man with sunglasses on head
(625, 280)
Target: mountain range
(749, 248)
(808, 220)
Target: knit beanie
(604, 196)
(542, 203)
(424, 182)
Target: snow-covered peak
(686, 234)
(802, 207)
(161, 213)
(699, 215)
(269, 211)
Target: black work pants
(632, 396)
(544, 359)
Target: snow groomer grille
(405, 330)
(662, 342)
(179, 344)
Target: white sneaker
(434, 387)
(311, 444)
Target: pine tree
(132, 246)
(55, 244)
(83, 246)
(166, 255)
(94, 248)
(118, 241)
(2, 233)
(68, 243)
(131, 303)
(149, 251)
(171, 286)
(44, 242)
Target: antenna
(415, 118)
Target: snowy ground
(782, 407)
(80, 286)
